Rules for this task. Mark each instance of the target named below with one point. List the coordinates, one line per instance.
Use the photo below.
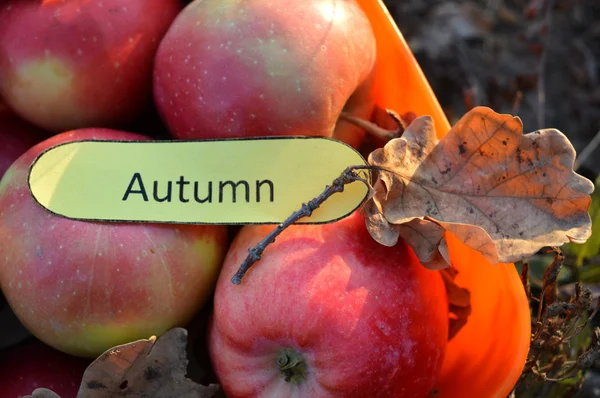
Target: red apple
(83, 287)
(237, 68)
(33, 365)
(16, 137)
(80, 63)
(328, 312)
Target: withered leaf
(501, 192)
(459, 302)
(144, 368)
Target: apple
(33, 365)
(245, 68)
(327, 312)
(84, 287)
(80, 63)
(16, 137)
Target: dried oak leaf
(144, 368)
(42, 393)
(501, 192)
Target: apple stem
(374, 129)
(348, 176)
(292, 366)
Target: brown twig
(541, 88)
(349, 175)
(579, 328)
(587, 151)
(375, 130)
(555, 324)
(517, 102)
(549, 288)
(590, 60)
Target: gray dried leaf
(145, 368)
(501, 192)
(42, 393)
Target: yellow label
(243, 181)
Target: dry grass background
(539, 60)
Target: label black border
(159, 141)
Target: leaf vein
(467, 160)
(524, 173)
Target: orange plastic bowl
(486, 357)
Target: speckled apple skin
(80, 63)
(239, 68)
(369, 320)
(84, 287)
